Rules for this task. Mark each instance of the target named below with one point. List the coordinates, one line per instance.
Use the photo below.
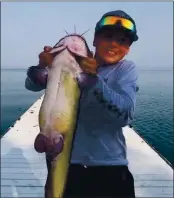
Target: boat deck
(23, 170)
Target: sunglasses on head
(113, 20)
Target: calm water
(154, 111)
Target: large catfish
(59, 109)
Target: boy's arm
(119, 101)
(36, 78)
(37, 75)
(31, 86)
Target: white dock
(23, 170)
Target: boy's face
(111, 45)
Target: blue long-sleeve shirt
(104, 109)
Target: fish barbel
(59, 109)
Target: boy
(99, 165)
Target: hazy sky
(27, 27)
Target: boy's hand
(39, 74)
(88, 64)
(45, 58)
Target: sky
(26, 27)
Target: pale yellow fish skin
(64, 121)
(66, 124)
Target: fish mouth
(71, 43)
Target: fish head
(75, 43)
(66, 51)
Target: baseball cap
(118, 19)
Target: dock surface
(23, 170)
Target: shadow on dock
(17, 177)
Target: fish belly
(59, 113)
(63, 118)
